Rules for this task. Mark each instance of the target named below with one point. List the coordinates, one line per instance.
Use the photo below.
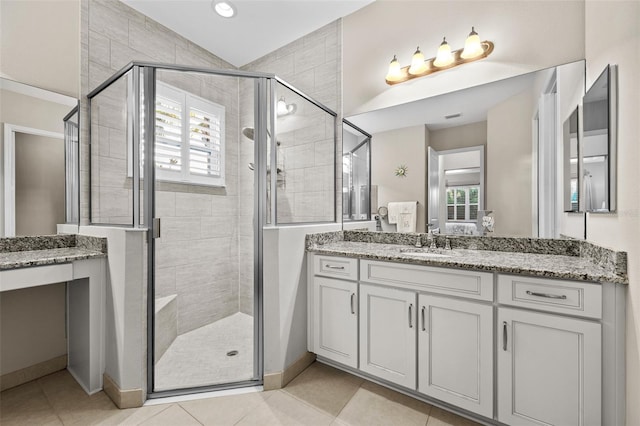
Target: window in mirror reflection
(462, 203)
(356, 173)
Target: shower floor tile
(199, 357)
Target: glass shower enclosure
(230, 154)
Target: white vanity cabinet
(388, 334)
(549, 364)
(455, 352)
(518, 350)
(335, 309)
(404, 305)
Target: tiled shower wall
(200, 242)
(311, 64)
(198, 253)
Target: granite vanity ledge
(555, 258)
(23, 252)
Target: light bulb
(418, 65)
(281, 107)
(472, 47)
(395, 71)
(224, 8)
(444, 56)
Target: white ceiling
(259, 27)
(473, 105)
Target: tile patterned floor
(321, 395)
(199, 357)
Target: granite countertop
(562, 259)
(22, 252)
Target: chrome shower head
(250, 133)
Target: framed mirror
(598, 144)
(571, 166)
(40, 151)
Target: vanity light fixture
(283, 108)
(473, 50)
(223, 8)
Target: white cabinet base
(549, 369)
(455, 352)
(336, 320)
(388, 334)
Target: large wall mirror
(40, 151)
(515, 126)
(598, 145)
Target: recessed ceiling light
(223, 8)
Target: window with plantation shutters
(189, 138)
(462, 203)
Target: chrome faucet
(433, 241)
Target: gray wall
(39, 184)
(508, 167)
(406, 146)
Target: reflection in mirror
(599, 145)
(34, 151)
(356, 173)
(517, 121)
(571, 166)
(456, 190)
(72, 166)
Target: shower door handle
(155, 227)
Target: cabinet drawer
(566, 297)
(454, 282)
(337, 267)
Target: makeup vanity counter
(79, 261)
(22, 252)
(502, 330)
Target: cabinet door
(388, 334)
(455, 352)
(336, 320)
(549, 369)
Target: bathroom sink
(425, 252)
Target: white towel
(404, 214)
(393, 210)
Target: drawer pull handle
(411, 315)
(353, 296)
(547, 295)
(424, 326)
(504, 335)
(334, 267)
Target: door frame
(9, 172)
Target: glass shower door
(204, 299)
